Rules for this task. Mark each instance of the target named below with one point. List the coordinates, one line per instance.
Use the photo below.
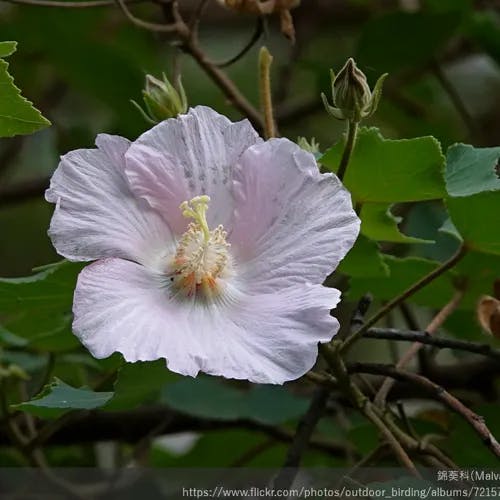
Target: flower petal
(122, 306)
(187, 156)
(292, 224)
(96, 214)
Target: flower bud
(310, 146)
(352, 98)
(162, 100)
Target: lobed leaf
(58, 398)
(389, 171)
(17, 114)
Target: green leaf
(364, 259)
(404, 273)
(203, 451)
(7, 48)
(478, 271)
(380, 224)
(38, 307)
(473, 187)
(449, 228)
(139, 382)
(58, 398)
(272, 404)
(17, 115)
(207, 398)
(388, 171)
(401, 40)
(471, 170)
(10, 339)
(476, 218)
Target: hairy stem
(352, 132)
(266, 101)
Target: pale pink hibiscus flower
(210, 245)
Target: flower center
(202, 255)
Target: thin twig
(305, 429)
(235, 97)
(253, 452)
(474, 420)
(439, 342)
(389, 306)
(391, 439)
(455, 98)
(436, 323)
(259, 29)
(194, 22)
(84, 4)
(363, 404)
(161, 28)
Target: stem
(363, 404)
(305, 429)
(163, 28)
(69, 5)
(237, 99)
(352, 132)
(474, 420)
(425, 338)
(436, 322)
(445, 266)
(455, 98)
(265, 61)
(259, 30)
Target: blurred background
(82, 67)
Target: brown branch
(23, 191)
(423, 337)
(396, 301)
(174, 27)
(331, 353)
(455, 99)
(84, 4)
(259, 30)
(474, 420)
(300, 441)
(432, 327)
(131, 426)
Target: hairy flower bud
(162, 100)
(352, 98)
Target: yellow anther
(202, 257)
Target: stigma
(202, 258)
